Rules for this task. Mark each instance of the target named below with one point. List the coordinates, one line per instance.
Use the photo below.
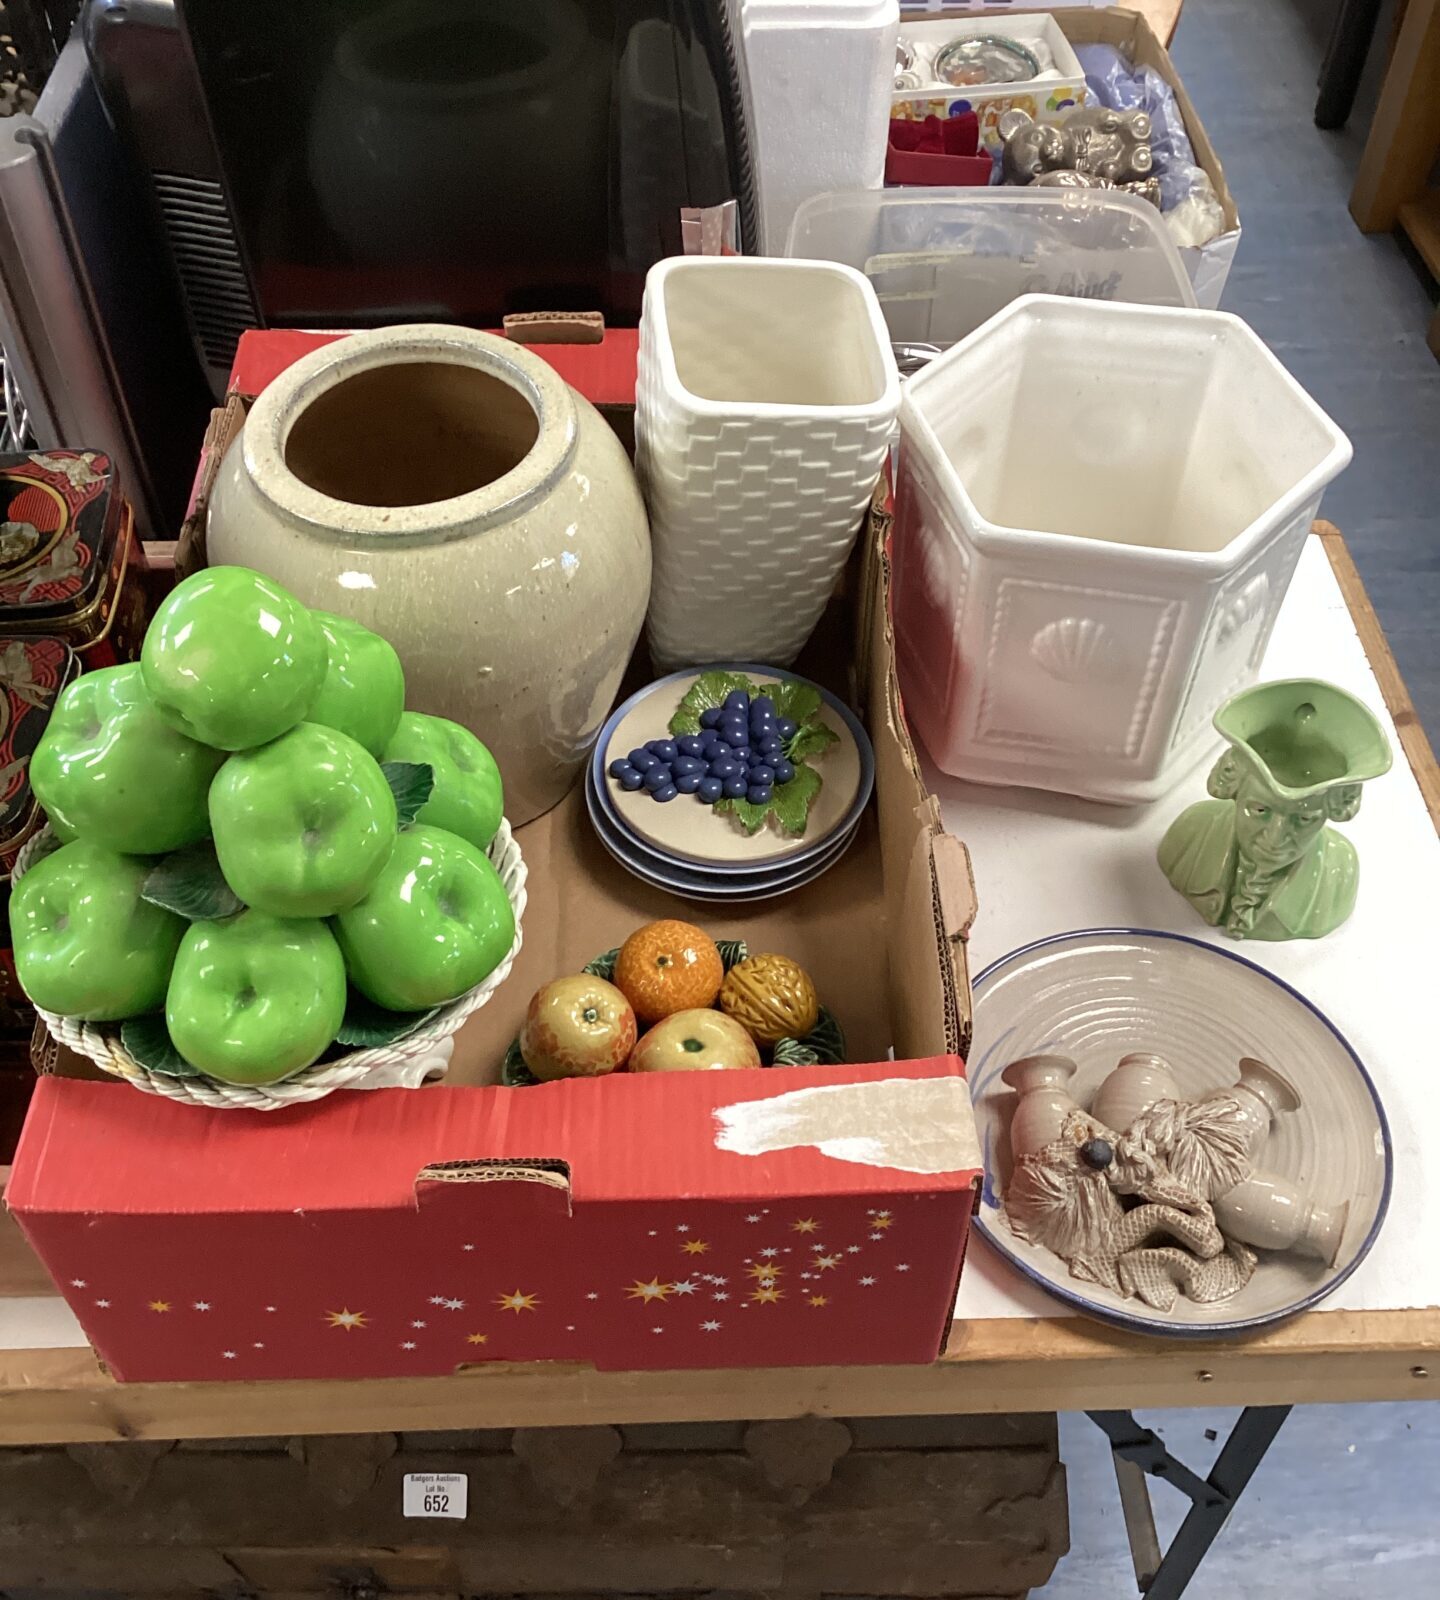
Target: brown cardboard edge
(933, 866)
(1132, 32)
(555, 327)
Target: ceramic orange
(666, 967)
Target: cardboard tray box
(1209, 264)
(799, 1215)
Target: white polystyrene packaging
(942, 261)
(765, 401)
(815, 84)
(1099, 509)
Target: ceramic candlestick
(1137, 1082)
(1043, 1103)
(1258, 858)
(1260, 1095)
(1272, 1214)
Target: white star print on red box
(585, 1229)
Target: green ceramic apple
(304, 824)
(436, 921)
(467, 798)
(255, 998)
(232, 658)
(109, 768)
(86, 944)
(364, 689)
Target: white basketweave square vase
(1098, 512)
(766, 396)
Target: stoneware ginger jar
(448, 489)
(1042, 1084)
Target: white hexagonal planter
(1099, 509)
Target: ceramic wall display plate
(1100, 994)
(685, 830)
(694, 882)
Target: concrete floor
(1348, 1501)
(1345, 312)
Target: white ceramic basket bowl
(399, 1064)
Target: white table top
(1047, 864)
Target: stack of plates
(686, 847)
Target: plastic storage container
(1099, 510)
(942, 261)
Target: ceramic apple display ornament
(467, 797)
(304, 824)
(232, 658)
(255, 998)
(434, 923)
(86, 944)
(579, 1027)
(694, 1041)
(363, 691)
(111, 769)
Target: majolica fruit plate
(824, 1045)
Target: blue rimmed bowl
(1099, 994)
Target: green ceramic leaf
(367, 1025)
(732, 952)
(811, 740)
(789, 807)
(801, 702)
(411, 782)
(514, 1074)
(707, 692)
(148, 1040)
(750, 818)
(190, 883)
(824, 1045)
(603, 966)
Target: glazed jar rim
(281, 403)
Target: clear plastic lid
(942, 261)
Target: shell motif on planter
(1099, 509)
(448, 489)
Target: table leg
(1350, 41)
(1137, 1451)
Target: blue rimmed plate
(687, 833)
(1099, 994)
(695, 883)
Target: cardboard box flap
(91, 1150)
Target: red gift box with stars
(806, 1216)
